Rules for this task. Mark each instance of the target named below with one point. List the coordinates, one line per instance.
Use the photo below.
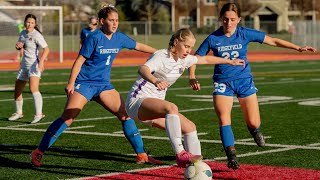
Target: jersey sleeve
(254, 35)
(191, 61)
(154, 63)
(40, 41)
(127, 42)
(204, 48)
(82, 35)
(87, 47)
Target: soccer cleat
(145, 158)
(36, 157)
(184, 158)
(37, 118)
(259, 139)
(15, 116)
(232, 158)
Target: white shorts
(132, 107)
(24, 74)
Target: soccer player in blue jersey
(231, 42)
(92, 26)
(90, 80)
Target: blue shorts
(240, 87)
(91, 91)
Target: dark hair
(180, 35)
(35, 19)
(230, 7)
(105, 10)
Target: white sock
(192, 143)
(19, 105)
(37, 102)
(173, 129)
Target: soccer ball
(198, 171)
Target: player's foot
(259, 139)
(232, 158)
(36, 156)
(15, 116)
(37, 118)
(145, 158)
(184, 158)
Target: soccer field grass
(94, 144)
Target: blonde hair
(180, 35)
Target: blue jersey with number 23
(233, 47)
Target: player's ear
(175, 42)
(101, 21)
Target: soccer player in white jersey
(231, 42)
(90, 80)
(146, 99)
(31, 67)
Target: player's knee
(171, 108)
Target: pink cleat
(184, 158)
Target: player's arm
(286, 44)
(218, 60)
(144, 48)
(193, 82)
(43, 58)
(145, 73)
(76, 67)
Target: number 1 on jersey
(108, 60)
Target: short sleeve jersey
(100, 53)
(85, 32)
(32, 42)
(163, 67)
(233, 47)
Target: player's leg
(250, 108)
(190, 136)
(249, 104)
(113, 102)
(37, 97)
(18, 89)
(74, 105)
(152, 108)
(223, 106)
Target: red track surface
(134, 58)
(220, 171)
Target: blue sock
(52, 133)
(253, 131)
(132, 133)
(227, 136)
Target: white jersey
(32, 41)
(163, 67)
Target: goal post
(52, 27)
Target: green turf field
(289, 104)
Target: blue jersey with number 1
(100, 52)
(233, 47)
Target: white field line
(163, 138)
(251, 139)
(79, 127)
(121, 132)
(182, 88)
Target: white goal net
(50, 23)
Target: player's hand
(238, 62)
(194, 84)
(161, 85)
(41, 66)
(307, 48)
(19, 45)
(69, 89)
